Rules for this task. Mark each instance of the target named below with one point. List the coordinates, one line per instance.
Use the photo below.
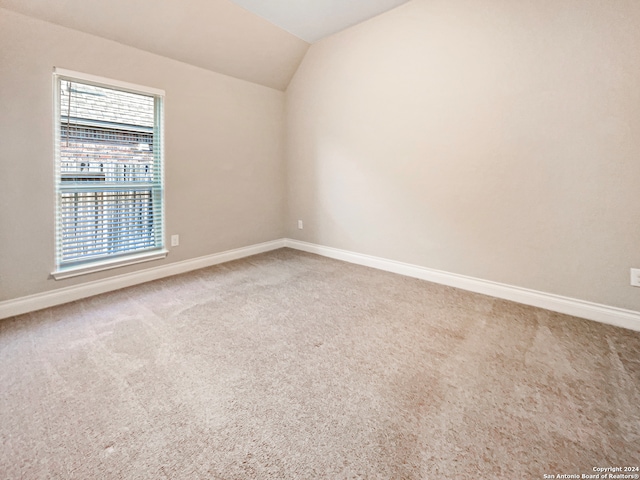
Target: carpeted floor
(289, 365)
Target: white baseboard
(579, 308)
(592, 311)
(38, 301)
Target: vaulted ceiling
(214, 34)
(218, 35)
(312, 20)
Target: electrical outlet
(175, 240)
(300, 226)
(635, 277)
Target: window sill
(107, 264)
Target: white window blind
(108, 171)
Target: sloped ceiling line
(312, 20)
(217, 35)
(255, 40)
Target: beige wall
(496, 139)
(224, 158)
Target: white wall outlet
(635, 277)
(175, 240)
(300, 225)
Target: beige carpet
(289, 365)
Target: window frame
(157, 252)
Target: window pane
(110, 195)
(100, 223)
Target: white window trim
(61, 272)
(108, 264)
(107, 82)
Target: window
(109, 164)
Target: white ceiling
(312, 20)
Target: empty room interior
(380, 239)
